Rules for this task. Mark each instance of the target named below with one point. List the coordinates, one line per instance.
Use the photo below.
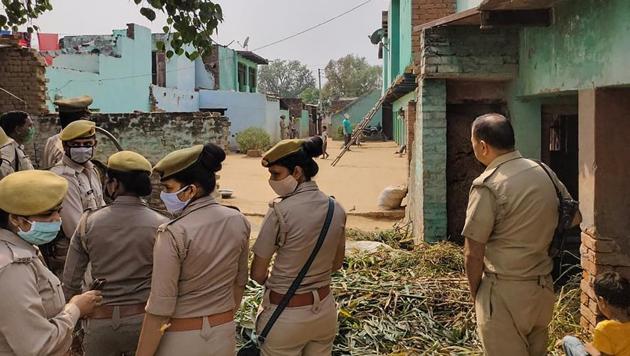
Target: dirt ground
(355, 182)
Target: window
(158, 69)
(242, 77)
(252, 79)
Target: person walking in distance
(117, 241)
(324, 137)
(283, 128)
(297, 220)
(510, 222)
(347, 131)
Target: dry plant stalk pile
(413, 300)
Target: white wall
(175, 100)
(272, 122)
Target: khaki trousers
(307, 331)
(513, 316)
(209, 341)
(112, 337)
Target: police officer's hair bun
(313, 146)
(211, 157)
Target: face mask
(81, 155)
(285, 186)
(172, 202)
(41, 232)
(29, 135)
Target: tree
(350, 76)
(188, 21)
(310, 96)
(285, 78)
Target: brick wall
(151, 134)
(427, 188)
(466, 52)
(410, 118)
(604, 193)
(22, 73)
(424, 11)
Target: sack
(392, 197)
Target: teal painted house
(558, 70)
(357, 110)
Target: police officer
(118, 242)
(510, 222)
(34, 319)
(289, 231)
(200, 261)
(70, 110)
(283, 127)
(5, 166)
(84, 189)
(18, 126)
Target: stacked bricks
(467, 52)
(424, 11)
(22, 73)
(410, 119)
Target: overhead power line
(313, 27)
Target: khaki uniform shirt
(118, 242)
(84, 192)
(13, 159)
(198, 259)
(513, 210)
(53, 152)
(34, 317)
(292, 240)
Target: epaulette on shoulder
(161, 212)
(231, 207)
(483, 178)
(20, 254)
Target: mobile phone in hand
(98, 284)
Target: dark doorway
(461, 165)
(388, 121)
(559, 140)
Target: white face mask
(285, 186)
(81, 155)
(172, 202)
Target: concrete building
(125, 72)
(357, 109)
(558, 70)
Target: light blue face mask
(41, 232)
(172, 202)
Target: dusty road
(356, 181)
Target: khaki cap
(128, 161)
(78, 129)
(34, 192)
(76, 104)
(281, 150)
(177, 161)
(4, 139)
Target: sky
(264, 21)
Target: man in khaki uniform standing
(84, 185)
(18, 127)
(510, 222)
(70, 110)
(118, 242)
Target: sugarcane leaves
(192, 22)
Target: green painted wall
(394, 39)
(357, 112)
(228, 79)
(398, 54)
(463, 5)
(404, 59)
(569, 54)
(400, 127)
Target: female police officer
(290, 230)
(118, 242)
(200, 261)
(34, 319)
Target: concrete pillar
(604, 125)
(427, 193)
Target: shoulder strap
(555, 186)
(298, 280)
(284, 230)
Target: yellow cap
(177, 161)
(78, 129)
(4, 139)
(281, 150)
(77, 104)
(34, 192)
(128, 161)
